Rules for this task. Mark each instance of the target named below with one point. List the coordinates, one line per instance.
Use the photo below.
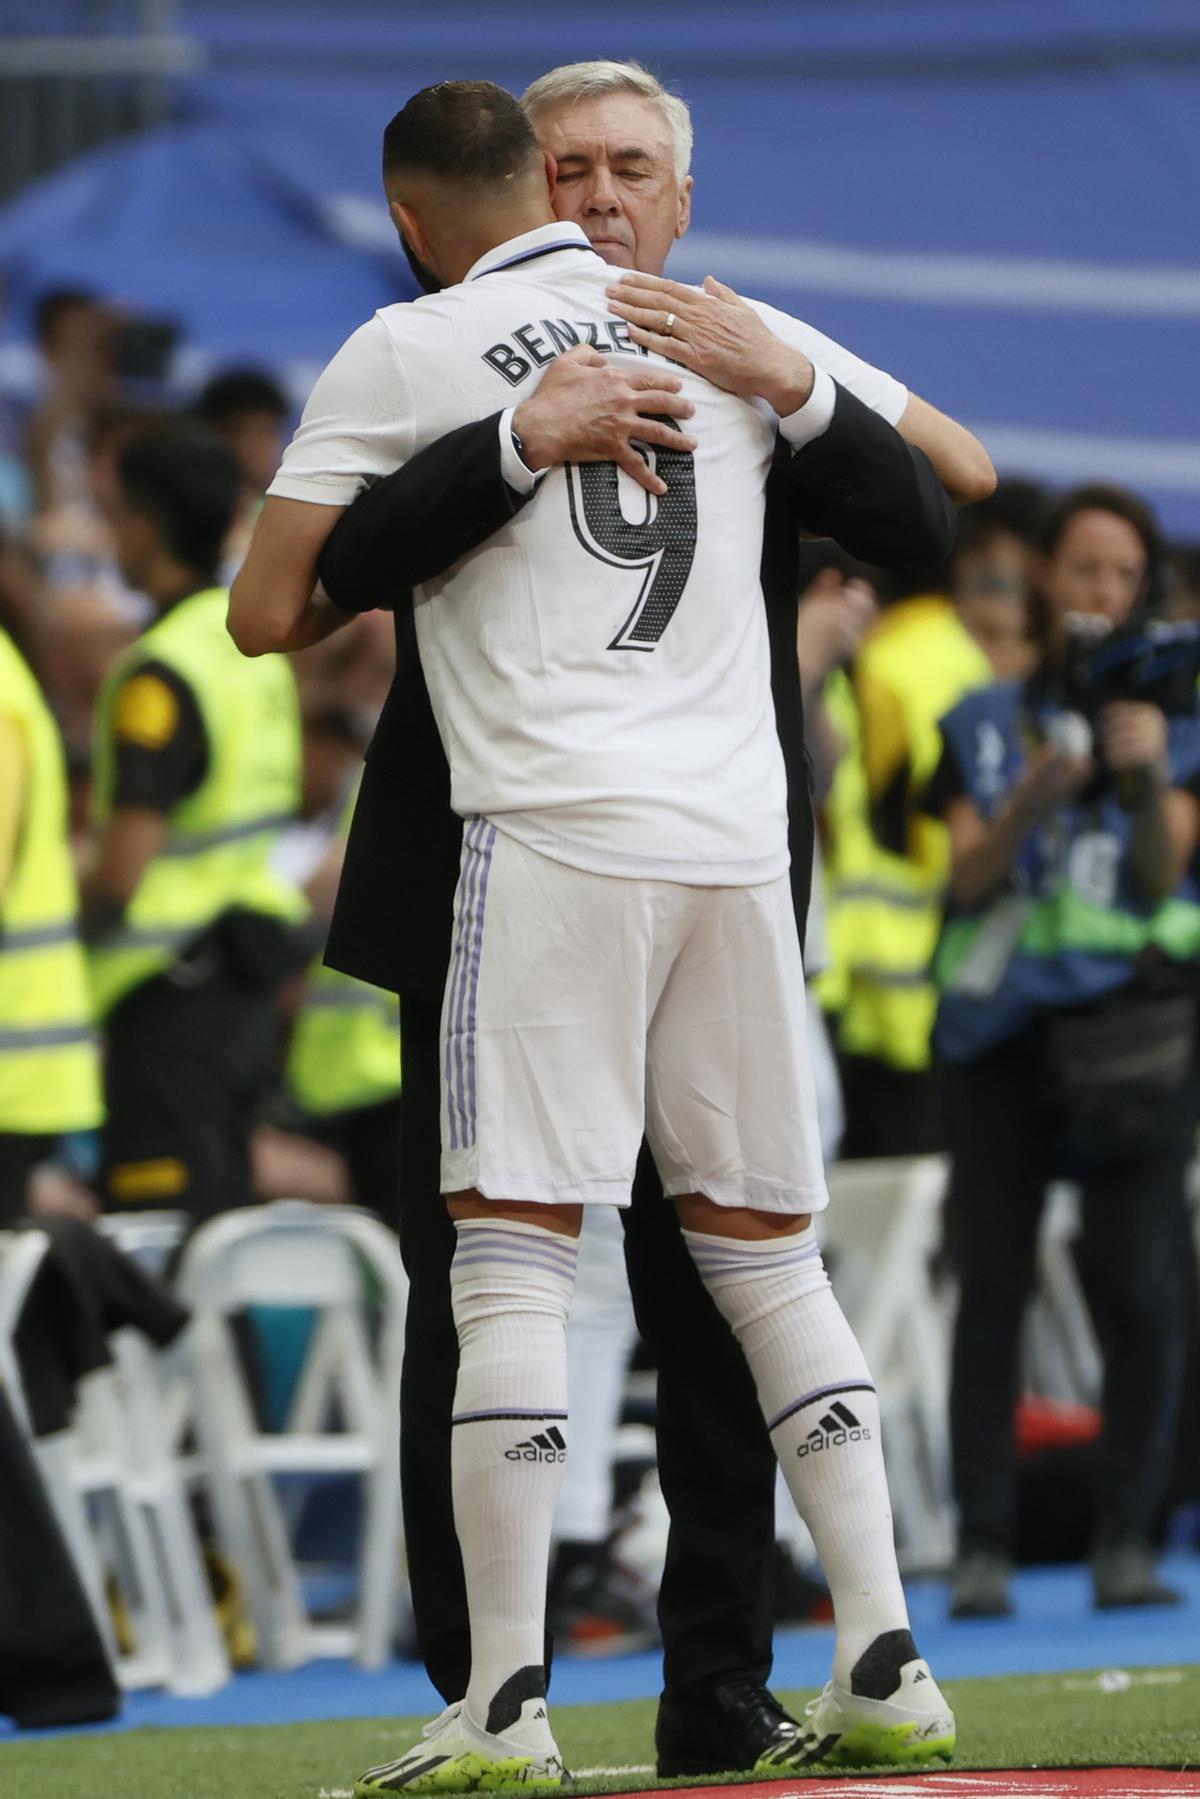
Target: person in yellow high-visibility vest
(197, 772)
(343, 1063)
(887, 867)
(49, 1063)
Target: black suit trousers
(715, 1459)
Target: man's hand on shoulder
(716, 334)
(588, 409)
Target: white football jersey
(599, 668)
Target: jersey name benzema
(599, 668)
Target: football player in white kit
(625, 954)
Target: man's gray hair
(576, 81)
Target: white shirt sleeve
(359, 423)
(876, 389)
(812, 419)
(517, 474)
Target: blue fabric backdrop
(998, 201)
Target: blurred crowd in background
(883, 660)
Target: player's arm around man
(584, 410)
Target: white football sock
(819, 1401)
(511, 1291)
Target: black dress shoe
(725, 1731)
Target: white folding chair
(149, 1238)
(91, 1482)
(880, 1235)
(21, 1256)
(297, 1255)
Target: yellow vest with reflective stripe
(49, 1064)
(885, 909)
(345, 1048)
(221, 837)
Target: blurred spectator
(1067, 1022)
(74, 334)
(74, 641)
(887, 865)
(991, 572)
(250, 411)
(20, 590)
(75, 538)
(16, 488)
(49, 1066)
(1183, 582)
(836, 611)
(197, 770)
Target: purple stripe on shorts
(457, 978)
(476, 957)
(798, 1405)
(460, 925)
(465, 1135)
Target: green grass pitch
(1143, 1719)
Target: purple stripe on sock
(755, 1267)
(490, 1238)
(476, 959)
(515, 1246)
(505, 1412)
(475, 1258)
(496, 1258)
(852, 1386)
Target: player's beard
(425, 278)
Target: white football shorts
(585, 1010)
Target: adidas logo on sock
(838, 1426)
(544, 1446)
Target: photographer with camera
(1066, 1020)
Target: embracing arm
(274, 603)
(357, 425)
(876, 495)
(752, 349)
(963, 466)
(455, 493)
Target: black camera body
(1151, 659)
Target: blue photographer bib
(1070, 925)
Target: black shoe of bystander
(724, 1731)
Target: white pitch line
(602, 1773)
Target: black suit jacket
(859, 483)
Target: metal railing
(99, 72)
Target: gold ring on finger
(668, 324)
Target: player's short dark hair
(470, 131)
(1100, 496)
(53, 306)
(188, 481)
(235, 391)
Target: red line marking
(1021, 1783)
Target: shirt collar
(541, 242)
